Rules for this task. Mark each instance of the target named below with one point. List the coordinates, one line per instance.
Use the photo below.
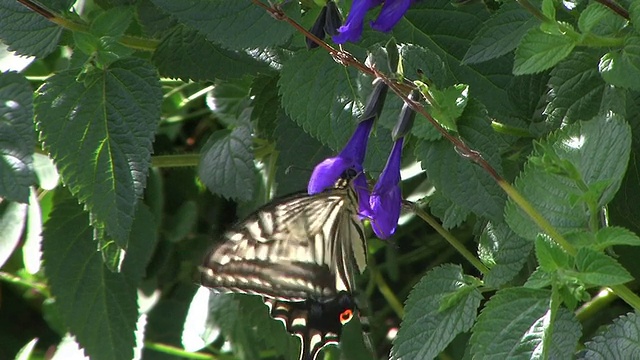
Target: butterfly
(300, 253)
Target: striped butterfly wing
(294, 249)
(300, 254)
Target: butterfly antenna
(294, 167)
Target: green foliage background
(141, 129)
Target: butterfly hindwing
(316, 323)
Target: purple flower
(386, 199)
(326, 173)
(392, 11)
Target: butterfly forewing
(293, 249)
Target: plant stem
(450, 239)
(388, 294)
(510, 130)
(181, 353)
(175, 160)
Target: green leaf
(152, 19)
(611, 236)
(584, 238)
(199, 328)
(596, 268)
(503, 252)
(17, 138)
(26, 352)
(528, 95)
(32, 247)
(509, 316)
(27, 32)
(416, 58)
(112, 22)
(326, 107)
(299, 153)
(86, 291)
(85, 42)
(549, 9)
(423, 63)
(266, 105)
(634, 13)
(599, 150)
(538, 279)
(452, 215)
(621, 340)
(592, 16)
(501, 33)
(378, 150)
(550, 255)
(426, 329)
(99, 133)
(68, 348)
(448, 105)
(45, 169)
(434, 25)
(577, 89)
(245, 321)
(185, 54)
(226, 164)
(235, 25)
(144, 236)
(166, 318)
(229, 100)
(565, 335)
(622, 67)
(110, 50)
(539, 51)
(464, 183)
(352, 344)
(181, 223)
(12, 219)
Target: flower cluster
(381, 206)
(392, 11)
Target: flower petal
(385, 211)
(356, 147)
(352, 28)
(326, 173)
(392, 11)
(386, 198)
(390, 176)
(362, 189)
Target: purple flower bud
(386, 197)
(317, 29)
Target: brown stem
(37, 8)
(615, 8)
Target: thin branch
(133, 42)
(615, 8)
